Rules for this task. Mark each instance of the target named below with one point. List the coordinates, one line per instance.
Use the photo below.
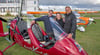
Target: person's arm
(40, 19)
(63, 16)
(73, 29)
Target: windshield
(58, 31)
(80, 21)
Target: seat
(22, 26)
(37, 32)
(39, 35)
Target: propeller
(8, 26)
(9, 33)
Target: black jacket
(47, 24)
(70, 23)
(61, 22)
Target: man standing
(46, 21)
(70, 22)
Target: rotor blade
(9, 34)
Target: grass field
(89, 40)
(91, 15)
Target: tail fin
(2, 34)
(1, 27)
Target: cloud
(86, 2)
(97, 2)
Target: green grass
(91, 15)
(89, 40)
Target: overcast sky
(93, 2)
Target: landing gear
(1, 52)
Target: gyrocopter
(33, 38)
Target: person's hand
(69, 35)
(33, 22)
